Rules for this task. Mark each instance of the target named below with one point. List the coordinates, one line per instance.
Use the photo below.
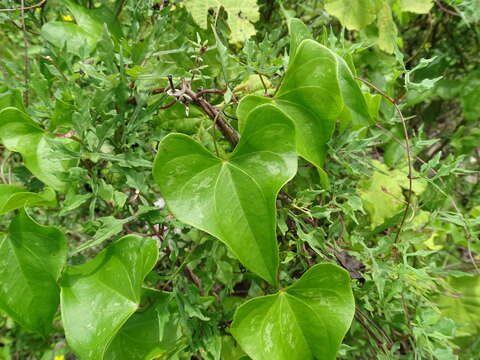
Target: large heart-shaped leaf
(233, 199)
(98, 297)
(307, 320)
(153, 332)
(15, 197)
(31, 260)
(20, 133)
(317, 88)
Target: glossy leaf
(98, 297)
(317, 87)
(15, 197)
(31, 260)
(20, 133)
(234, 199)
(150, 333)
(307, 320)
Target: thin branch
(26, 70)
(408, 151)
(446, 10)
(23, 8)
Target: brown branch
(215, 114)
(23, 7)
(446, 10)
(408, 151)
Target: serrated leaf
(317, 87)
(15, 197)
(98, 297)
(233, 199)
(416, 6)
(20, 133)
(31, 260)
(353, 14)
(154, 332)
(241, 15)
(307, 320)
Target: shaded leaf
(307, 320)
(234, 199)
(31, 260)
(150, 333)
(20, 133)
(15, 197)
(98, 297)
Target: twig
(22, 8)
(408, 151)
(25, 56)
(444, 9)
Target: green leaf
(298, 32)
(31, 260)
(92, 21)
(307, 320)
(382, 193)
(15, 197)
(464, 306)
(241, 15)
(98, 297)
(234, 199)
(416, 6)
(69, 36)
(354, 15)
(20, 133)
(150, 333)
(387, 30)
(317, 87)
(11, 98)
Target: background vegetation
(96, 73)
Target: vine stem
(23, 7)
(408, 151)
(26, 70)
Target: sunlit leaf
(307, 320)
(15, 197)
(233, 199)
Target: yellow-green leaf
(241, 15)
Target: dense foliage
(240, 179)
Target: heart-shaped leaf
(151, 333)
(15, 197)
(98, 297)
(234, 199)
(317, 89)
(31, 260)
(69, 36)
(20, 133)
(307, 320)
